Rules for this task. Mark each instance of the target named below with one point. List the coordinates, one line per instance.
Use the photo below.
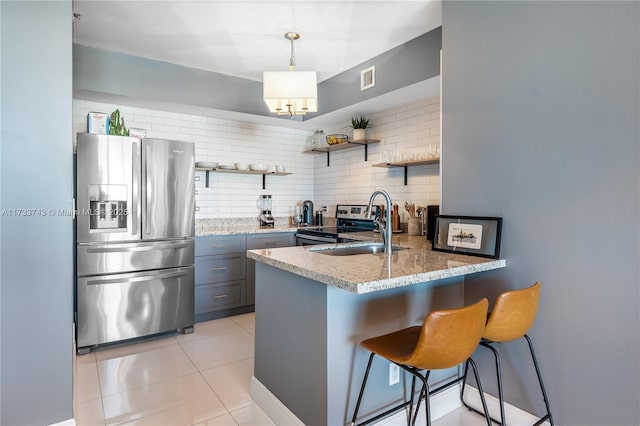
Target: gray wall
(37, 265)
(412, 62)
(540, 107)
(101, 71)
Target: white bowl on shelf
(259, 167)
(226, 167)
(242, 166)
(207, 164)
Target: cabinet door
(213, 245)
(282, 239)
(261, 241)
(216, 269)
(213, 297)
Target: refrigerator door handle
(135, 188)
(173, 274)
(115, 248)
(148, 193)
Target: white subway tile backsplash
(405, 130)
(226, 141)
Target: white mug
(280, 169)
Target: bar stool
(446, 339)
(512, 317)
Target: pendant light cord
(292, 60)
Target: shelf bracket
(206, 180)
(264, 179)
(366, 152)
(405, 175)
(328, 156)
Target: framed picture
(472, 235)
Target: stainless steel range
(349, 218)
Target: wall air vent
(368, 78)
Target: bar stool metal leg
(364, 382)
(413, 391)
(544, 392)
(502, 420)
(424, 393)
(547, 416)
(496, 357)
(484, 402)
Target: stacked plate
(207, 164)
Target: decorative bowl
(259, 167)
(242, 166)
(336, 139)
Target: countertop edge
(382, 284)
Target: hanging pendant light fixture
(291, 92)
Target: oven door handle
(317, 238)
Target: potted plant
(359, 125)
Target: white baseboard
(513, 414)
(272, 406)
(441, 405)
(69, 422)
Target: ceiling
(244, 38)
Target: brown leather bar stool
(447, 338)
(512, 317)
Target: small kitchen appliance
(320, 216)
(265, 218)
(432, 212)
(307, 213)
(350, 218)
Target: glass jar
(319, 139)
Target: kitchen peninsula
(313, 309)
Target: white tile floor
(194, 379)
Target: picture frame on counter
(470, 235)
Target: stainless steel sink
(353, 250)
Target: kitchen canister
(413, 226)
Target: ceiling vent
(368, 78)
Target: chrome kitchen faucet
(386, 231)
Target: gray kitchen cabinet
(220, 277)
(214, 297)
(261, 241)
(226, 244)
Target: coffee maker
(307, 213)
(265, 218)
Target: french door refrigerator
(135, 238)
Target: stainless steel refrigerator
(135, 227)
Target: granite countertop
(242, 229)
(373, 272)
(235, 226)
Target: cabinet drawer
(212, 297)
(212, 245)
(215, 269)
(285, 239)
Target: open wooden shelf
(340, 146)
(242, 172)
(409, 163)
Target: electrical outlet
(394, 374)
